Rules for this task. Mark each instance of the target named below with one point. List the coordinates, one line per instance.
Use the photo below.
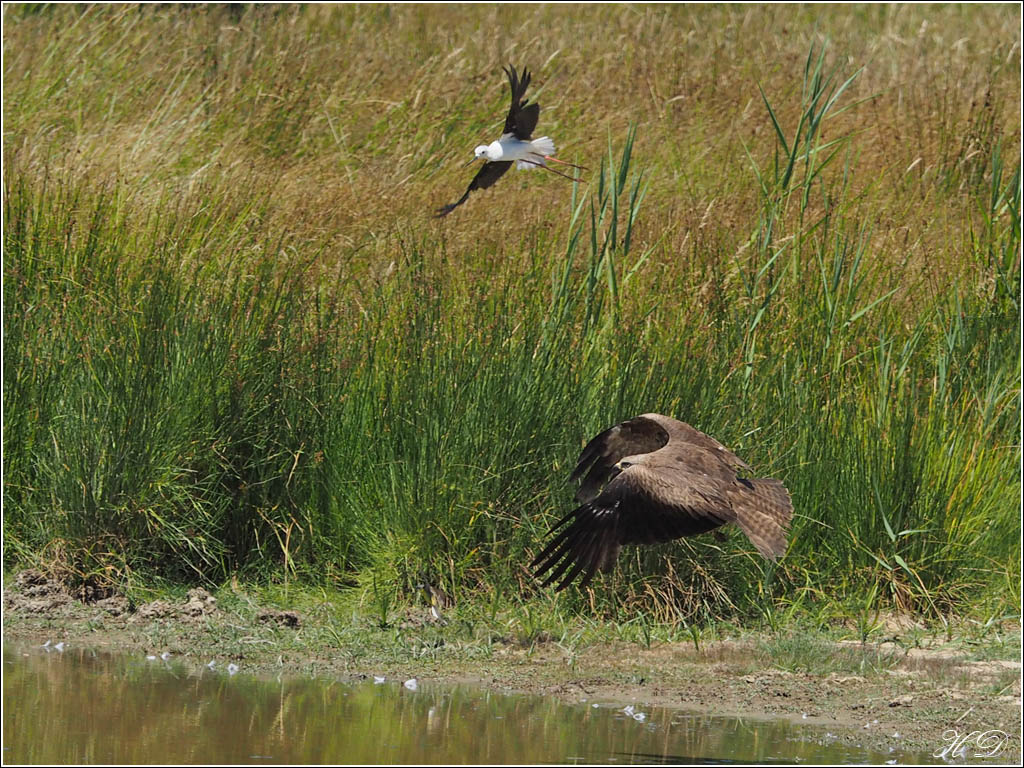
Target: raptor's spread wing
(630, 438)
(680, 482)
(639, 506)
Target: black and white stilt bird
(515, 144)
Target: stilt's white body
(514, 146)
(527, 154)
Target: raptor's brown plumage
(662, 479)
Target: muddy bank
(897, 693)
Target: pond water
(80, 706)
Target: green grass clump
(235, 340)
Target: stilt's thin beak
(471, 162)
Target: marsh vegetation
(237, 343)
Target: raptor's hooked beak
(617, 470)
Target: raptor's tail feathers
(764, 514)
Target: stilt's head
(490, 152)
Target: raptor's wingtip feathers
(680, 483)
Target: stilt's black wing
(484, 178)
(522, 118)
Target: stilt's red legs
(557, 173)
(563, 162)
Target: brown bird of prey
(662, 479)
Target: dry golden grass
(355, 119)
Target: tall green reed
(178, 405)
(156, 421)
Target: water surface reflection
(81, 706)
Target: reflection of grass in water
(235, 344)
(149, 711)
